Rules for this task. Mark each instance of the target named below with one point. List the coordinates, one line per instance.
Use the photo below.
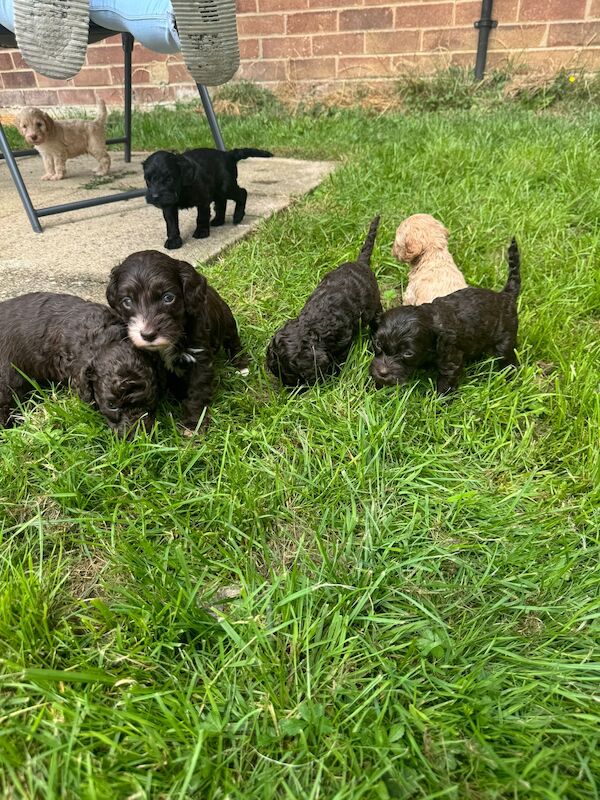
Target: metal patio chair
(208, 41)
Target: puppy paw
(217, 222)
(187, 432)
(47, 177)
(191, 428)
(237, 218)
(241, 363)
(56, 177)
(201, 233)
(173, 244)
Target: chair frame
(10, 157)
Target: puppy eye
(127, 302)
(408, 354)
(38, 124)
(114, 409)
(168, 298)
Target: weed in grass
(450, 89)
(245, 97)
(105, 180)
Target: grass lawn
(348, 593)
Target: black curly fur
(169, 308)
(196, 178)
(61, 338)
(448, 332)
(318, 341)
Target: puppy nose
(382, 370)
(148, 336)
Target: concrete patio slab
(78, 249)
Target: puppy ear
(188, 170)
(193, 286)
(410, 248)
(83, 384)
(49, 123)
(321, 358)
(134, 389)
(113, 287)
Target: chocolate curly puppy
(318, 340)
(449, 331)
(169, 308)
(196, 178)
(61, 338)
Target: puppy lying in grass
(422, 242)
(56, 141)
(60, 338)
(196, 178)
(170, 309)
(318, 340)
(449, 331)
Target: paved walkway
(77, 250)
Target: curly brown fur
(422, 242)
(318, 341)
(56, 141)
(60, 338)
(196, 178)
(448, 332)
(170, 309)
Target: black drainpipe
(484, 25)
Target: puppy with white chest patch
(171, 310)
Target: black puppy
(196, 178)
(61, 338)
(318, 340)
(449, 331)
(170, 308)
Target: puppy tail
(249, 152)
(367, 248)
(101, 115)
(513, 284)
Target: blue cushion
(151, 22)
(6, 15)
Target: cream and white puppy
(422, 242)
(56, 141)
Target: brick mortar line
(511, 23)
(278, 35)
(436, 51)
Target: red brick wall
(333, 41)
(156, 78)
(340, 40)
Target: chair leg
(19, 183)
(127, 40)
(210, 116)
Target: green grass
(347, 593)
